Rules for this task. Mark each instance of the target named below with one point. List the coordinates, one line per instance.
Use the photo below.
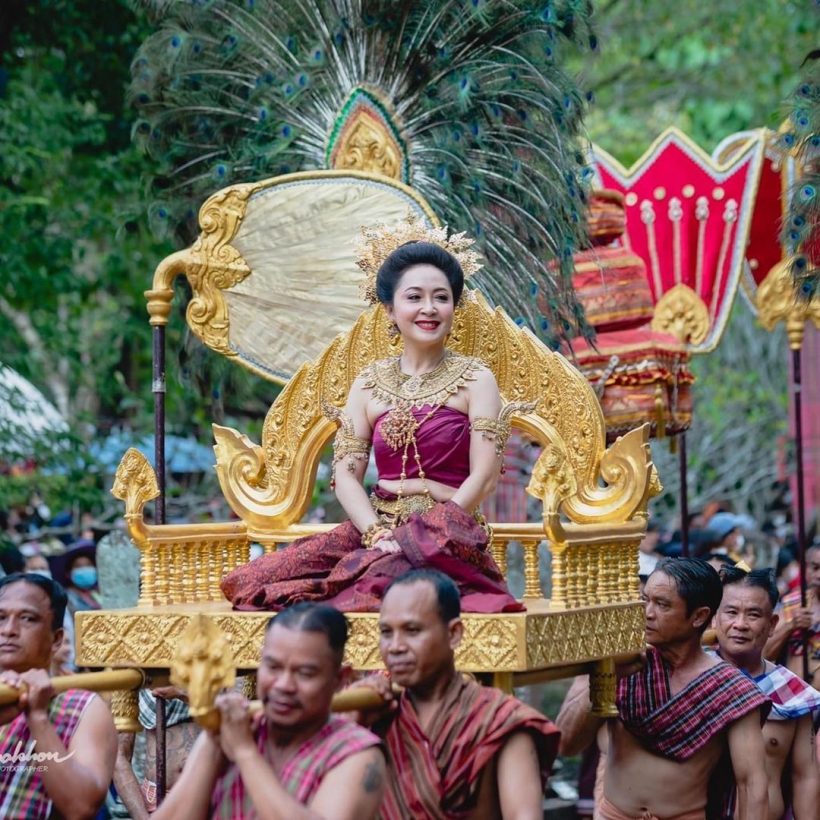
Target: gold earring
(393, 330)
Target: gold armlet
(347, 446)
(498, 430)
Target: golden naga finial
(135, 483)
(777, 301)
(204, 665)
(379, 241)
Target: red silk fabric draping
(443, 443)
(334, 568)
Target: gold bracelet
(373, 534)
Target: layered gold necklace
(393, 387)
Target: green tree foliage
(78, 253)
(710, 68)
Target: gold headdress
(378, 242)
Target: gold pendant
(399, 426)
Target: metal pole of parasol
(684, 496)
(797, 401)
(776, 302)
(159, 309)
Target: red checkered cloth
(791, 696)
(301, 776)
(678, 726)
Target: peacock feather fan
(801, 227)
(482, 119)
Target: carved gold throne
(594, 499)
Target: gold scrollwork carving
(215, 265)
(777, 301)
(631, 480)
(553, 479)
(135, 483)
(367, 145)
(681, 312)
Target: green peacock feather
(236, 90)
(801, 229)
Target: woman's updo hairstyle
(417, 253)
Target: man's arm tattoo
(372, 780)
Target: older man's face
(297, 676)
(744, 621)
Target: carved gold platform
(594, 498)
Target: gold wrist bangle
(374, 533)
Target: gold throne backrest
(270, 486)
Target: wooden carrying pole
(349, 700)
(109, 680)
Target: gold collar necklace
(393, 387)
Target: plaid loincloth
(678, 726)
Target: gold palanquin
(594, 498)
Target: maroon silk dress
(333, 567)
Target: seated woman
(435, 422)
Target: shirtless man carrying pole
(678, 715)
(745, 620)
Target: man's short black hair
(697, 583)
(447, 595)
(55, 592)
(307, 616)
(761, 578)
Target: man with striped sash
(745, 621)
(56, 751)
(455, 749)
(684, 719)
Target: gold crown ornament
(379, 241)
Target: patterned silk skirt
(332, 567)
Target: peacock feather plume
(481, 118)
(801, 227)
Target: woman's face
(423, 305)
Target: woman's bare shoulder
(482, 377)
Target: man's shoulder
(72, 701)
(344, 738)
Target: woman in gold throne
(435, 423)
